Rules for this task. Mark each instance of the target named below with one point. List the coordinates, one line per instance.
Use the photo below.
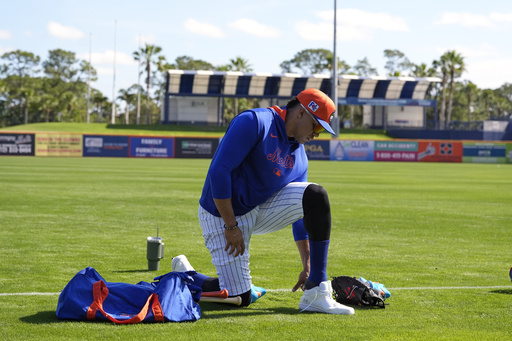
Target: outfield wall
(96, 145)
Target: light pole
(89, 83)
(334, 92)
(113, 118)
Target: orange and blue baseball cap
(320, 106)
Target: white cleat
(181, 264)
(319, 299)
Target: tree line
(58, 89)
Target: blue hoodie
(254, 160)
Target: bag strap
(100, 293)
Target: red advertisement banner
(440, 151)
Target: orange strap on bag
(100, 293)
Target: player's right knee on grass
(246, 298)
(212, 284)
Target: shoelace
(313, 300)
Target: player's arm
(303, 246)
(301, 240)
(234, 238)
(236, 144)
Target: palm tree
(441, 65)
(502, 105)
(127, 97)
(471, 91)
(455, 67)
(101, 103)
(146, 56)
(488, 97)
(422, 71)
(46, 103)
(242, 65)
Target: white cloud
(254, 28)
(353, 25)
(4, 34)
(203, 29)
(465, 20)
(376, 21)
(484, 50)
(500, 17)
(324, 32)
(64, 32)
(107, 57)
(490, 73)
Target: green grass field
(445, 228)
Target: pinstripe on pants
(281, 210)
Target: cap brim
(326, 126)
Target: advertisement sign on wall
(318, 150)
(17, 144)
(160, 147)
(48, 144)
(351, 150)
(439, 151)
(187, 147)
(396, 151)
(100, 145)
(509, 153)
(485, 152)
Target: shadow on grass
(220, 311)
(209, 311)
(503, 291)
(42, 317)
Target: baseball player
(256, 184)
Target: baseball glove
(350, 290)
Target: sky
(263, 32)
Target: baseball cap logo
(313, 106)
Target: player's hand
(303, 276)
(235, 241)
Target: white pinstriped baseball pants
(281, 210)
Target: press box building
(195, 97)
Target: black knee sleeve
(211, 284)
(317, 213)
(246, 298)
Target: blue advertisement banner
(318, 150)
(484, 149)
(485, 152)
(103, 145)
(351, 150)
(17, 144)
(160, 147)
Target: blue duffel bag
(88, 297)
